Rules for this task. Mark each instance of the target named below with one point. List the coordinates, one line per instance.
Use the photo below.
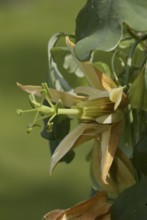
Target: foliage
(98, 77)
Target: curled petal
(116, 96)
(110, 188)
(95, 208)
(91, 92)
(121, 174)
(109, 142)
(110, 118)
(106, 82)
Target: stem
(129, 60)
(130, 55)
(72, 111)
(113, 66)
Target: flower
(96, 207)
(99, 108)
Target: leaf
(132, 203)
(68, 67)
(95, 77)
(86, 67)
(55, 79)
(60, 129)
(138, 91)
(99, 24)
(126, 43)
(140, 155)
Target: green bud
(19, 112)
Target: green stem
(113, 66)
(72, 111)
(129, 60)
(46, 110)
(130, 56)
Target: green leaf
(138, 91)
(140, 155)
(99, 24)
(126, 43)
(132, 203)
(60, 130)
(55, 80)
(67, 67)
(103, 67)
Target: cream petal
(53, 215)
(109, 119)
(92, 93)
(82, 133)
(106, 156)
(66, 99)
(109, 142)
(116, 96)
(68, 143)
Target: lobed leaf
(99, 24)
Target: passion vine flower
(99, 109)
(96, 207)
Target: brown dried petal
(95, 208)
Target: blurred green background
(27, 191)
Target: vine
(98, 76)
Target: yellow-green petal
(116, 96)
